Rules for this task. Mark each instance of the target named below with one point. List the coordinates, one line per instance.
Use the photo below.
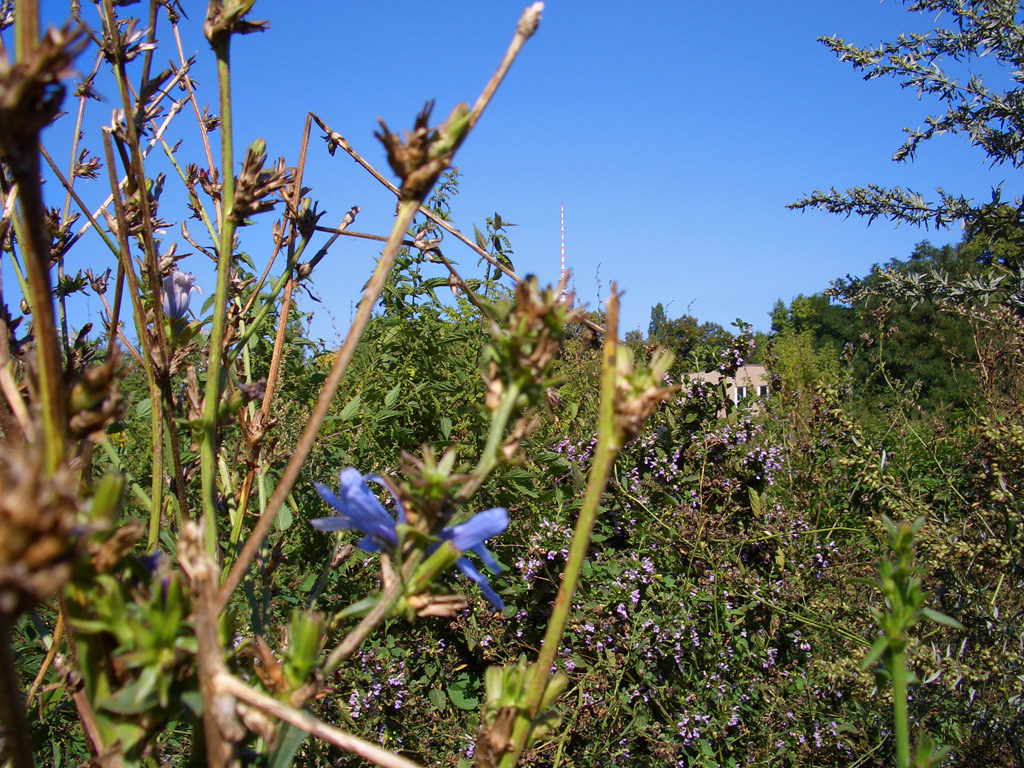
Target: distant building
(750, 381)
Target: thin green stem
(19, 233)
(901, 720)
(140, 494)
(44, 329)
(214, 386)
(135, 293)
(381, 611)
(261, 315)
(157, 422)
(203, 215)
(609, 442)
(25, 170)
(489, 458)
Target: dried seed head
(227, 17)
(423, 155)
(441, 606)
(38, 530)
(95, 400)
(528, 335)
(255, 186)
(31, 93)
(639, 392)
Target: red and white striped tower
(563, 241)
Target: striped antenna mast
(563, 240)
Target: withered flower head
(125, 42)
(226, 17)
(426, 153)
(254, 185)
(528, 334)
(31, 93)
(86, 167)
(639, 392)
(38, 530)
(95, 399)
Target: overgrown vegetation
(828, 576)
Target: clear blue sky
(674, 134)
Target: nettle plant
(128, 584)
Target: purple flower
(358, 509)
(177, 291)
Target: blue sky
(673, 133)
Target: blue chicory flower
(177, 291)
(471, 535)
(358, 509)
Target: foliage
(685, 335)
(990, 118)
(700, 600)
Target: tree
(684, 334)
(993, 120)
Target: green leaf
(880, 646)
(438, 699)
(755, 502)
(289, 740)
(351, 409)
(134, 698)
(285, 518)
(459, 696)
(446, 427)
(941, 618)
(392, 397)
(481, 241)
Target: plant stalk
(208, 448)
(609, 442)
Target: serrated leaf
(392, 397)
(481, 241)
(351, 409)
(755, 502)
(461, 700)
(446, 427)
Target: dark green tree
(684, 335)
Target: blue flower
(177, 291)
(470, 536)
(358, 509)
